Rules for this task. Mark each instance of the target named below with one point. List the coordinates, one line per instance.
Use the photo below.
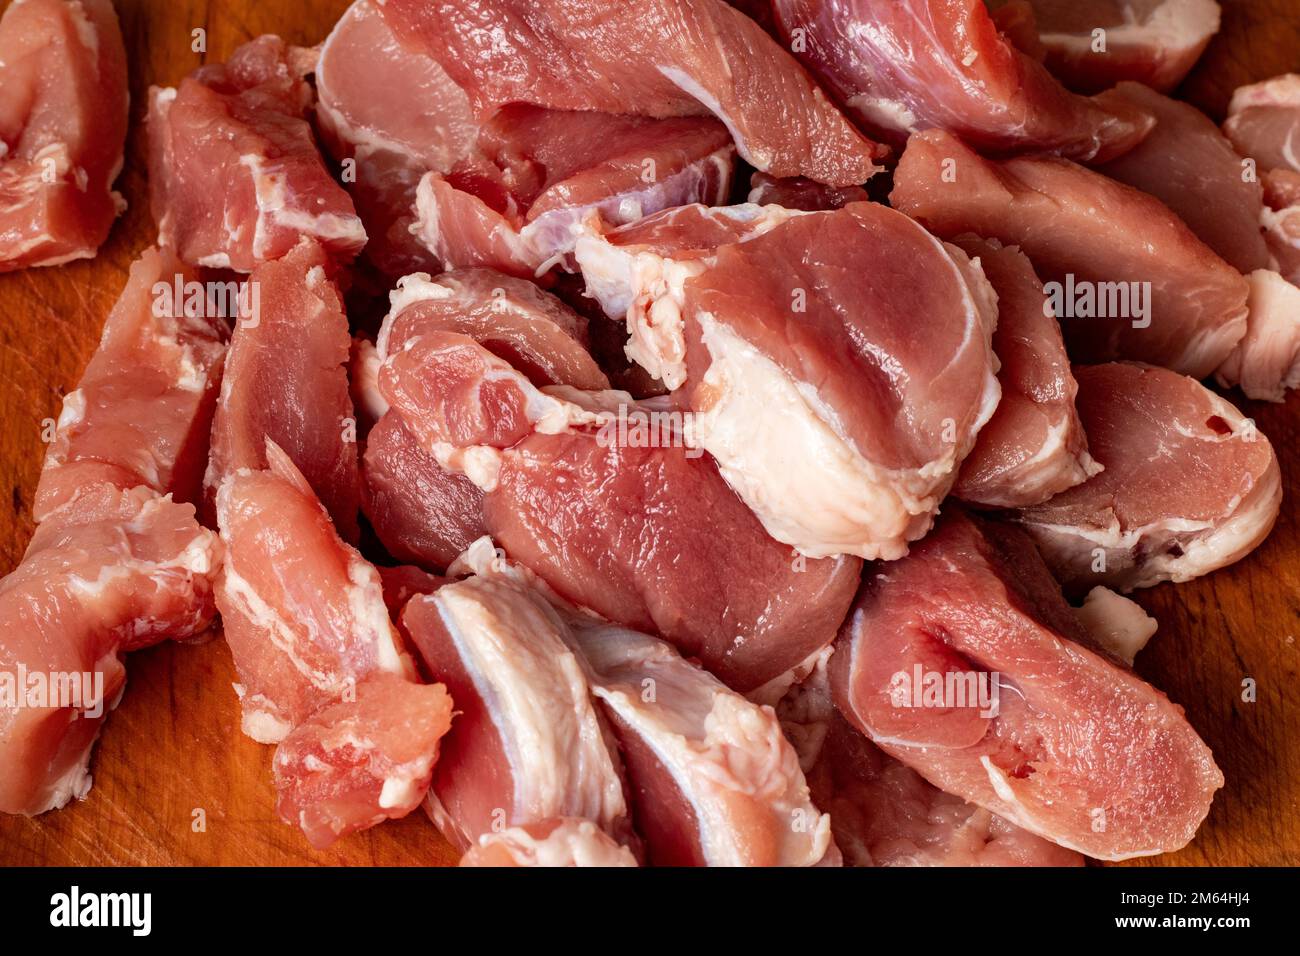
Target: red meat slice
(63, 119)
(286, 380)
(1189, 486)
(1084, 231)
(235, 176)
(1076, 749)
(902, 66)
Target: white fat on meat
(569, 842)
(724, 755)
(1116, 623)
(1266, 364)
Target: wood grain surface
(171, 756)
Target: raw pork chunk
(663, 58)
(235, 177)
(63, 119)
(1189, 485)
(1074, 747)
(714, 781)
(900, 66)
(1034, 445)
(286, 380)
(1132, 280)
(528, 744)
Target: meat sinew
(900, 66)
(63, 120)
(1132, 281)
(714, 781)
(964, 662)
(235, 177)
(1190, 485)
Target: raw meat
(714, 781)
(800, 193)
(1189, 486)
(1115, 623)
(1034, 445)
(560, 842)
(536, 174)
(359, 762)
(837, 394)
(393, 139)
(1130, 280)
(705, 58)
(901, 66)
(420, 511)
(527, 743)
(1155, 42)
(1073, 747)
(883, 813)
(286, 380)
(1191, 167)
(652, 538)
(63, 119)
(1267, 362)
(404, 582)
(119, 571)
(304, 613)
(142, 411)
(235, 177)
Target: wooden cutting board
(177, 783)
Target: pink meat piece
(420, 511)
(142, 411)
(1076, 749)
(884, 813)
(1267, 362)
(1191, 167)
(652, 538)
(1086, 233)
(559, 842)
(235, 176)
(404, 582)
(1189, 484)
(708, 58)
(304, 613)
(286, 380)
(1034, 446)
(536, 173)
(714, 781)
(360, 762)
(1153, 42)
(63, 119)
(527, 743)
(902, 66)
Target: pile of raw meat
(767, 407)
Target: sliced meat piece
(652, 538)
(359, 762)
(561, 842)
(901, 66)
(235, 177)
(1034, 446)
(420, 511)
(1128, 279)
(536, 174)
(527, 743)
(1189, 486)
(714, 781)
(286, 380)
(63, 119)
(514, 319)
(1073, 746)
(304, 613)
(1095, 44)
(121, 570)
(1191, 167)
(705, 57)
(800, 193)
(142, 411)
(1267, 362)
(883, 813)
(837, 395)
